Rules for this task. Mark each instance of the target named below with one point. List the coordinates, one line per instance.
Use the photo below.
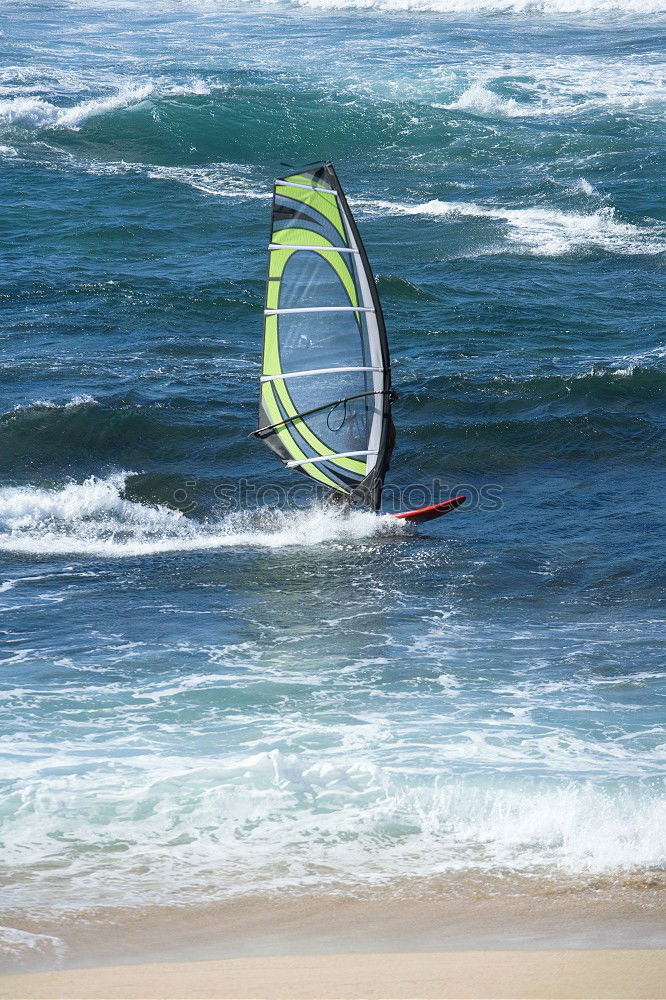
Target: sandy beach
(492, 974)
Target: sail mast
(376, 485)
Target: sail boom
(260, 431)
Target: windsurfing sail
(325, 405)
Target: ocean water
(209, 694)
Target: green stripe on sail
(352, 465)
(271, 361)
(272, 295)
(277, 260)
(273, 411)
(300, 237)
(272, 366)
(328, 207)
(306, 179)
(306, 238)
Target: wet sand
(435, 916)
(488, 974)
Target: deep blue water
(204, 702)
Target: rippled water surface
(200, 702)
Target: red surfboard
(430, 513)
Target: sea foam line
(46, 404)
(21, 946)
(539, 8)
(220, 180)
(94, 518)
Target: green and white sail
(325, 384)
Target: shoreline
(552, 975)
(443, 917)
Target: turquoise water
(205, 698)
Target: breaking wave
(37, 112)
(547, 232)
(336, 821)
(480, 99)
(94, 518)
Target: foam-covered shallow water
(207, 698)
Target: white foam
(221, 180)
(565, 88)
(93, 518)
(38, 112)
(21, 947)
(543, 231)
(582, 186)
(218, 179)
(274, 819)
(630, 361)
(46, 404)
(479, 100)
(545, 8)
(194, 87)
(539, 8)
